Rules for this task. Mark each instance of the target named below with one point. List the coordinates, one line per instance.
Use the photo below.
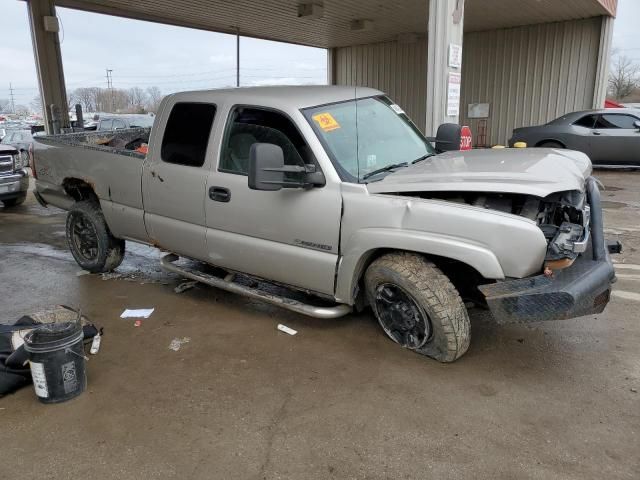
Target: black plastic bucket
(56, 355)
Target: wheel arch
(79, 189)
(554, 140)
(449, 255)
(463, 276)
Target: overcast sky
(626, 32)
(145, 54)
(172, 58)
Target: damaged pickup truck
(333, 192)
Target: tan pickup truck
(334, 192)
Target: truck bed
(105, 161)
(122, 142)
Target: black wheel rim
(84, 236)
(401, 316)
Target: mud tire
(434, 294)
(109, 250)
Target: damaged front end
(578, 272)
(564, 218)
(576, 275)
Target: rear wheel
(91, 243)
(551, 145)
(418, 306)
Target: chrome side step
(227, 284)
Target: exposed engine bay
(563, 217)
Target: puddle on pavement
(613, 205)
(30, 212)
(141, 262)
(38, 249)
(612, 188)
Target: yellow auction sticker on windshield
(326, 121)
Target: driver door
(616, 140)
(289, 236)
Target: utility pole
(110, 87)
(237, 56)
(13, 103)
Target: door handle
(597, 133)
(219, 194)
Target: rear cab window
(187, 132)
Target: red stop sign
(466, 140)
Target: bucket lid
(52, 336)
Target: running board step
(227, 284)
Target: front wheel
(91, 243)
(418, 306)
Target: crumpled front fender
(366, 242)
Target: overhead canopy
(278, 19)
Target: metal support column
(237, 57)
(331, 67)
(46, 50)
(446, 21)
(604, 56)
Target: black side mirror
(267, 170)
(448, 137)
(637, 124)
(266, 161)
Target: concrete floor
(242, 400)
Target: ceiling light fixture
(310, 10)
(362, 25)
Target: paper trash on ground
(285, 329)
(176, 343)
(137, 313)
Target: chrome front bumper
(14, 185)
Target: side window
(118, 124)
(187, 133)
(254, 125)
(615, 121)
(106, 124)
(587, 121)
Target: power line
(13, 103)
(110, 86)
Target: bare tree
(36, 104)
(624, 77)
(86, 97)
(22, 110)
(137, 99)
(154, 96)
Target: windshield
(365, 135)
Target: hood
(7, 149)
(529, 171)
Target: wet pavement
(239, 399)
